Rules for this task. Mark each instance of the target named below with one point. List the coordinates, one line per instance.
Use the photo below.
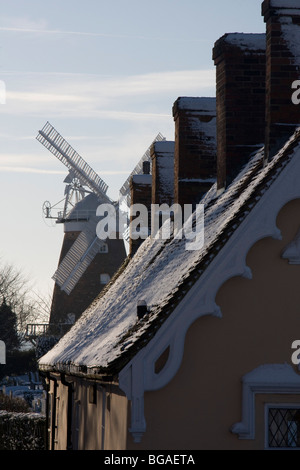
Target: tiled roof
(109, 333)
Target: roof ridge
(108, 335)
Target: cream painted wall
(90, 418)
(116, 419)
(260, 320)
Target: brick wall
(195, 148)
(162, 156)
(282, 20)
(141, 193)
(240, 99)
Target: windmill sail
(53, 141)
(78, 258)
(138, 169)
(125, 197)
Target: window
(283, 422)
(104, 278)
(93, 394)
(103, 248)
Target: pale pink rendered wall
(261, 319)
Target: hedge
(22, 431)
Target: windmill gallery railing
(37, 330)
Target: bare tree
(19, 295)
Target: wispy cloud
(22, 23)
(26, 26)
(35, 97)
(12, 160)
(23, 169)
(89, 138)
(72, 33)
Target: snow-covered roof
(192, 103)
(196, 107)
(142, 179)
(165, 146)
(286, 9)
(285, 3)
(109, 334)
(291, 34)
(247, 41)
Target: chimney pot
(146, 167)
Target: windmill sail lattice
(78, 258)
(125, 189)
(57, 145)
(125, 196)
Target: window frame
(279, 405)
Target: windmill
(86, 263)
(83, 256)
(80, 176)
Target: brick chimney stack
(240, 98)
(141, 193)
(195, 148)
(162, 156)
(282, 18)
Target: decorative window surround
(269, 378)
(139, 374)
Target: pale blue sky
(105, 74)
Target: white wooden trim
(139, 376)
(269, 378)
